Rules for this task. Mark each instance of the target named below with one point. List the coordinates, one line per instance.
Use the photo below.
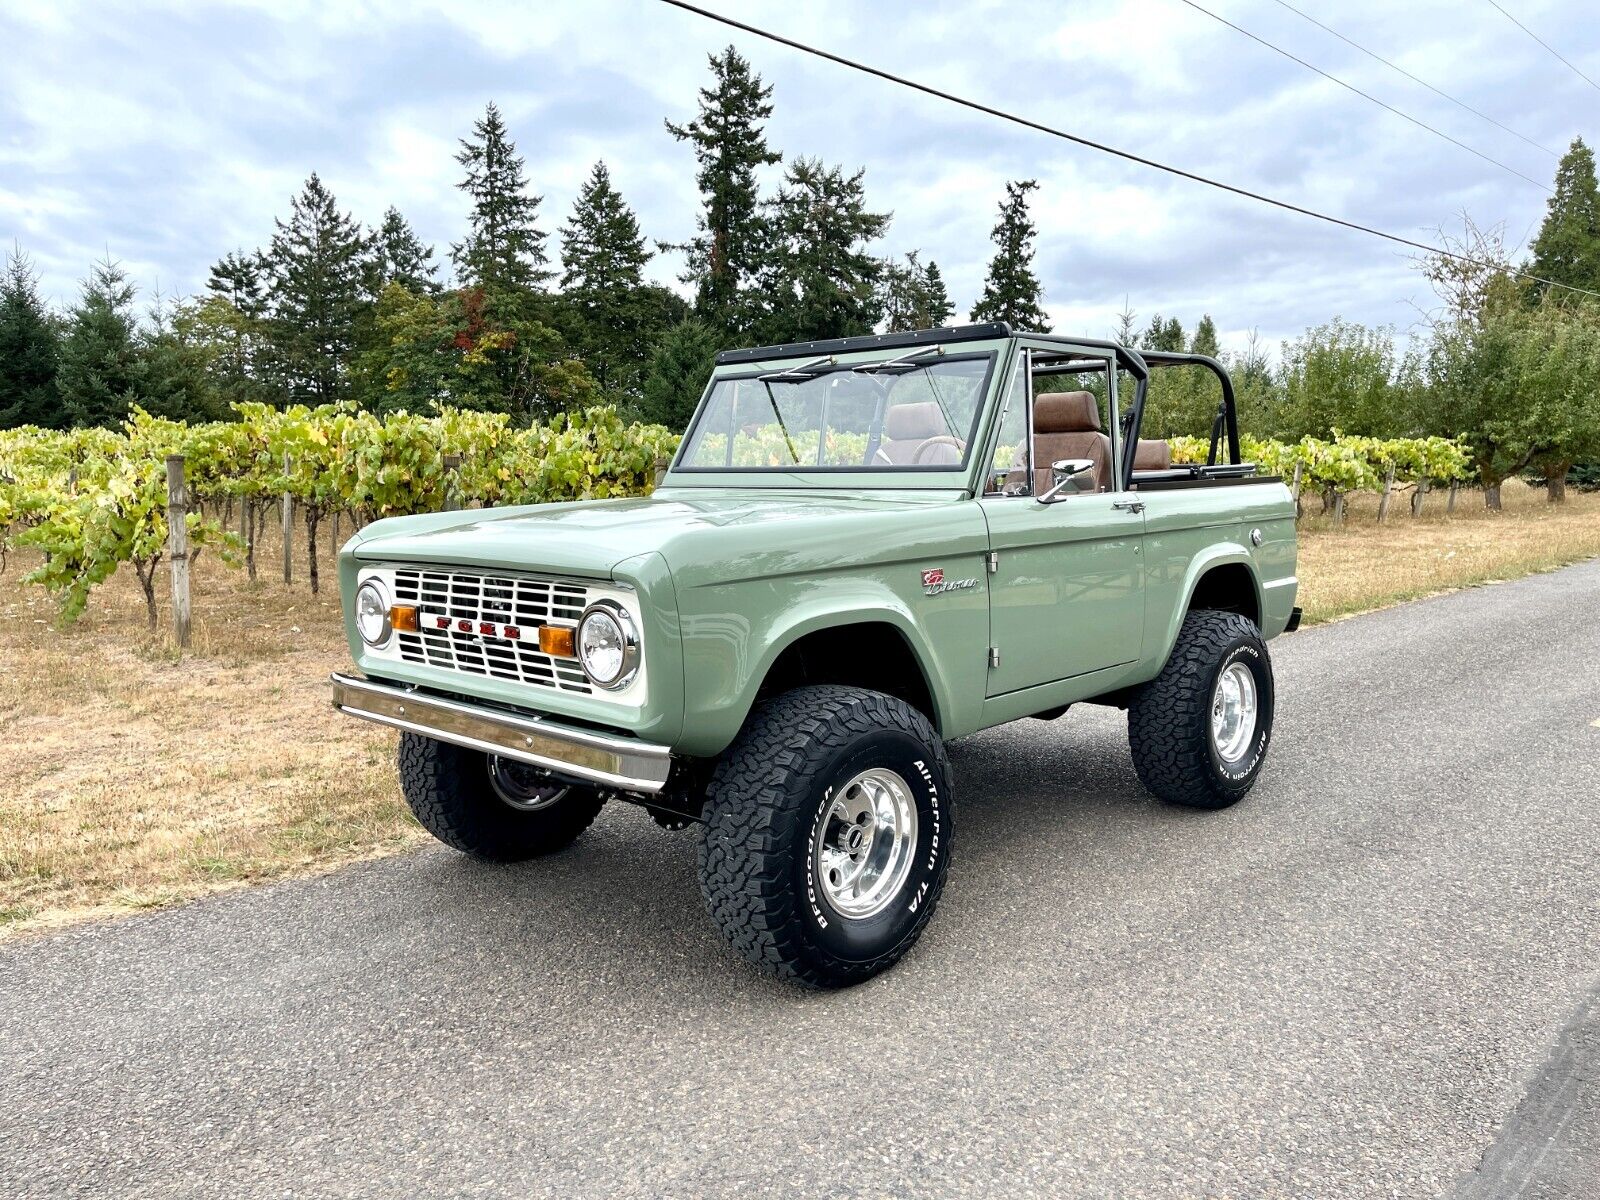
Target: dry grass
(1363, 565)
(134, 778)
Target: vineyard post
(1420, 496)
(1388, 488)
(452, 494)
(1450, 504)
(1338, 508)
(178, 548)
(336, 529)
(72, 482)
(1295, 489)
(288, 528)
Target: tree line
(513, 319)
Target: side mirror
(1067, 476)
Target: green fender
(1218, 555)
(709, 731)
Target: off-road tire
(762, 814)
(1169, 718)
(448, 789)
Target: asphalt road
(1377, 976)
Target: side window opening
(1009, 473)
(1072, 420)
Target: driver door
(1066, 588)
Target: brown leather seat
(907, 428)
(1067, 425)
(1152, 454)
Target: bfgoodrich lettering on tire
(827, 835)
(1199, 730)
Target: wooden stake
(1419, 497)
(178, 548)
(1450, 504)
(1388, 489)
(1338, 508)
(288, 530)
(452, 495)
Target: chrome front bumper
(581, 753)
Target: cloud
(169, 135)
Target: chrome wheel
(1233, 712)
(868, 839)
(524, 788)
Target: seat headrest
(1152, 454)
(1066, 412)
(921, 421)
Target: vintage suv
(863, 549)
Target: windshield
(917, 412)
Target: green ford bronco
(863, 549)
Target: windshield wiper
(803, 372)
(906, 362)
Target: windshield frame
(810, 475)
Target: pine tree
(504, 250)
(233, 318)
(29, 351)
(1567, 249)
(821, 282)
(1125, 334)
(615, 316)
(316, 294)
(397, 255)
(730, 145)
(937, 308)
(913, 296)
(172, 370)
(1012, 292)
(678, 373)
(98, 356)
(1205, 338)
(1165, 335)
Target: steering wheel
(942, 440)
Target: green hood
(686, 526)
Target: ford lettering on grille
(464, 619)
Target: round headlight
(372, 613)
(608, 645)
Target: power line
(1547, 46)
(1349, 87)
(1414, 79)
(1127, 155)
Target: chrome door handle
(1133, 506)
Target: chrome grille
(501, 600)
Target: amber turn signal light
(556, 642)
(403, 617)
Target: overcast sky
(170, 134)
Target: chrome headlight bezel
(379, 595)
(627, 631)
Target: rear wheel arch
(1229, 586)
